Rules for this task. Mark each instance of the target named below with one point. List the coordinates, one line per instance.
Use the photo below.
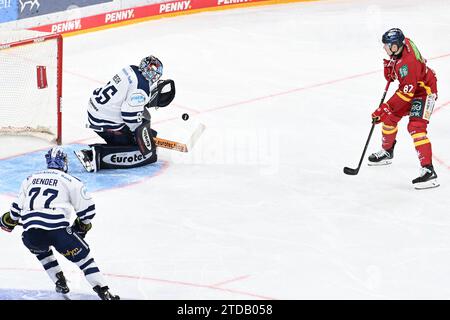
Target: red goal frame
(59, 40)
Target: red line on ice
(229, 281)
(174, 282)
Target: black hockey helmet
(393, 36)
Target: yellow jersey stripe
(403, 97)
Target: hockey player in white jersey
(44, 206)
(118, 112)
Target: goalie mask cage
(31, 84)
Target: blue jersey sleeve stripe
(16, 206)
(89, 209)
(87, 217)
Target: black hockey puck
(185, 116)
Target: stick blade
(350, 171)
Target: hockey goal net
(31, 84)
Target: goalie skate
(85, 157)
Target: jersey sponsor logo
(72, 253)
(174, 6)
(119, 16)
(125, 158)
(225, 2)
(403, 71)
(137, 99)
(416, 108)
(67, 26)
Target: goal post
(31, 84)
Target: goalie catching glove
(81, 228)
(7, 223)
(163, 94)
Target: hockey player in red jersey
(415, 98)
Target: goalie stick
(169, 144)
(178, 146)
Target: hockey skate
(87, 159)
(104, 294)
(427, 178)
(382, 157)
(61, 285)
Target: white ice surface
(261, 207)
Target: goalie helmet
(57, 159)
(152, 68)
(393, 36)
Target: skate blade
(381, 163)
(80, 157)
(426, 185)
(66, 296)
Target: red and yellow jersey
(416, 79)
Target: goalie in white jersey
(44, 207)
(118, 112)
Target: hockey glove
(163, 94)
(80, 228)
(7, 223)
(382, 113)
(389, 73)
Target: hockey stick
(351, 171)
(168, 144)
(182, 147)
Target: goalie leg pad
(122, 157)
(144, 138)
